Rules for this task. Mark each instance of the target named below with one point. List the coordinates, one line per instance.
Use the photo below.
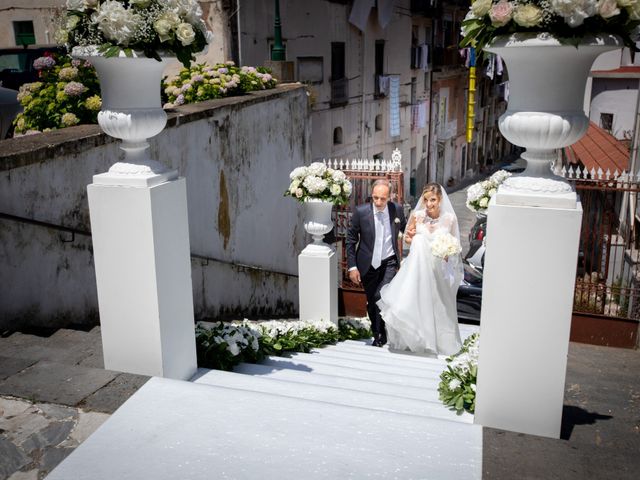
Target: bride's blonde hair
(432, 188)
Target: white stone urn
(317, 222)
(131, 111)
(547, 82)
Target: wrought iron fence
(608, 273)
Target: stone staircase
(344, 411)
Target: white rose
(72, 21)
(299, 193)
(528, 15)
(608, 8)
(484, 202)
(185, 34)
(293, 187)
(481, 7)
(347, 187)
(492, 192)
(162, 27)
(335, 189)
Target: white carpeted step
(366, 363)
(179, 430)
(426, 393)
(311, 366)
(335, 395)
(393, 359)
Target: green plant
(319, 182)
(67, 94)
(205, 82)
(457, 388)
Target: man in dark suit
(372, 249)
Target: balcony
(339, 92)
(427, 8)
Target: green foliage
(224, 346)
(457, 388)
(205, 82)
(67, 94)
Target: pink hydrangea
(41, 63)
(73, 89)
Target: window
(339, 82)
(337, 136)
(378, 123)
(424, 144)
(337, 61)
(310, 69)
(606, 121)
(24, 33)
(378, 156)
(379, 67)
(414, 93)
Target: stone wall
(235, 153)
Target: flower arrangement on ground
(479, 194)
(570, 20)
(317, 181)
(150, 26)
(457, 388)
(67, 94)
(205, 82)
(225, 345)
(445, 245)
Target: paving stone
(57, 412)
(10, 407)
(109, 398)
(56, 383)
(19, 428)
(52, 435)
(30, 475)
(95, 360)
(52, 457)
(12, 365)
(88, 422)
(12, 458)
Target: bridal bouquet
(152, 26)
(319, 182)
(479, 194)
(564, 19)
(445, 245)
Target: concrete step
(312, 366)
(426, 393)
(384, 352)
(171, 429)
(341, 396)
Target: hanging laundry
(424, 57)
(394, 105)
(383, 84)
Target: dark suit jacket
(361, 235)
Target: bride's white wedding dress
(419, 305)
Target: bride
(419, 305)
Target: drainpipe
(362, 110)
(239, 33)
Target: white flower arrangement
(457, 387)
(319, 182)
(567, 20)
(479, 194)
(150, 26)
(445, 245)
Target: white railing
(584, 174)
(365, 164)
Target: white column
(528, 289)
(318, 283)
(143, 272)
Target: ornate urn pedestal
(532, 250)
(140, 230)
(318, 266)
(547, 82)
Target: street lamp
(278, 51)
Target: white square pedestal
(143, 274)
(528, 289)
(318, 283)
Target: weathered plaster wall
(245, 236)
